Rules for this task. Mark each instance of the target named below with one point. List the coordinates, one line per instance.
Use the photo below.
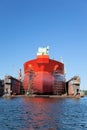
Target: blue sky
(26, 25)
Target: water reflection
(43, 114)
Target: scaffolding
(59, 84)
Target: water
(26, 113)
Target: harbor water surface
(24, 113)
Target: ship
(44, 75)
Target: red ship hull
(43, 83)
(44, 76)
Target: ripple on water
(43, 114)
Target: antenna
(65, 69)
(61, 59)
